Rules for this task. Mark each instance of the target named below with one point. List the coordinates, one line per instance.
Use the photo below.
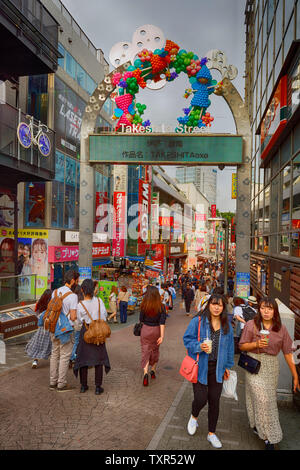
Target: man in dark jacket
(188, 298)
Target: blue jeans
(123, 311)
(73, 355)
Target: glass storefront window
(278, 28)
(273, 244)
(284, 244)
(296, 193)
(271, 51)
(285, 151)
(261, 213)
(37, 101)
(57, 213)
(256, 217)
(61, 50)
(275, 164)
(70, 66)
(267, 210)
(77, 195)
(35, 204)
(81, 76)
(296, 139)
(263, 73)
(275, 185)
(295, 244)
(260, 243)
(285, 198)
(266, 244)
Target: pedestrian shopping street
(127, 415)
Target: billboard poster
(233, 185)
(243, 285)
(69, 110)
(84, 273)
(105, 290)
(32, 257)
(119, 224)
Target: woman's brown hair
(151, 304)
(258, 320)
(123, 289)
(114, 290)
(42, 304)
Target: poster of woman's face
(39, 253)
(7, 256)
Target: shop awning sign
(166, 149)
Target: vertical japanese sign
(213, 211)
(155, 217)
(144, 211)
(233, 185)
(120, 211)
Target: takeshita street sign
(166, 149)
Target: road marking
(177, 438)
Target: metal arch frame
(242, 123)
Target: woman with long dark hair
(153, 318)
(40, 345)
(263, 338)
(216, 357)
(87, 354)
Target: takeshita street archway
(154, 71)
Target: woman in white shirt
(90, 355)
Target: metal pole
(226, 256)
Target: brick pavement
(127, 415)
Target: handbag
(250, 364)
(137, 329)
(189, 367)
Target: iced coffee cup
(209, 344)
(265, 335)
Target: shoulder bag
(97, 331)
(189, 367)
(137, 329)
(250, 364)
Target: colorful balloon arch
(166, 63)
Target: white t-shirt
(93, 308)
(69, 303)
(238, 311)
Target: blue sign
(85, 273)
(243, 285)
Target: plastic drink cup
(209, 344)
(265, 334)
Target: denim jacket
(225, 354)
(63, 329)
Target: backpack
(248, 313)
(53, 311)
(97, 331)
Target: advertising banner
(144, 211)
(71, 253)
(213, 211)
(105, 290)
(119, 224)
(233, 185)
(243, 285)
(84, 273)
(32, 257)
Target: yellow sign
(233, 186)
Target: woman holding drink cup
(216, 357)
(263, 338)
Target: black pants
(98, 375)
(188, 305)
(210, 393)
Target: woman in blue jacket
(214, 362)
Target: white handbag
(229, 386)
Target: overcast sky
(195, 25)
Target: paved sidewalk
(127, 415)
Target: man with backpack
(66, 301)
(245, 313)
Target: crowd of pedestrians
(219, 327)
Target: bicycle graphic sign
(26, 137)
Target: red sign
(275, 118)
(166, 221)
(213, 211)
(101, 250)
(63, 254)
(295, 223)
(119, 224)
(158, 258)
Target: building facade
(272, 93)
(203, 177)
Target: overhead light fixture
(31, 185)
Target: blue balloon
(118, 112)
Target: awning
(136, 258)
(180, 255)
(101, 262)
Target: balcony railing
(36, 23)
(16, 289)
(13, 154)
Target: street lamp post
(226, 226)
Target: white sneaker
(34, 364)
(215, 442)
(192, 426)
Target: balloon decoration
(166, 63)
